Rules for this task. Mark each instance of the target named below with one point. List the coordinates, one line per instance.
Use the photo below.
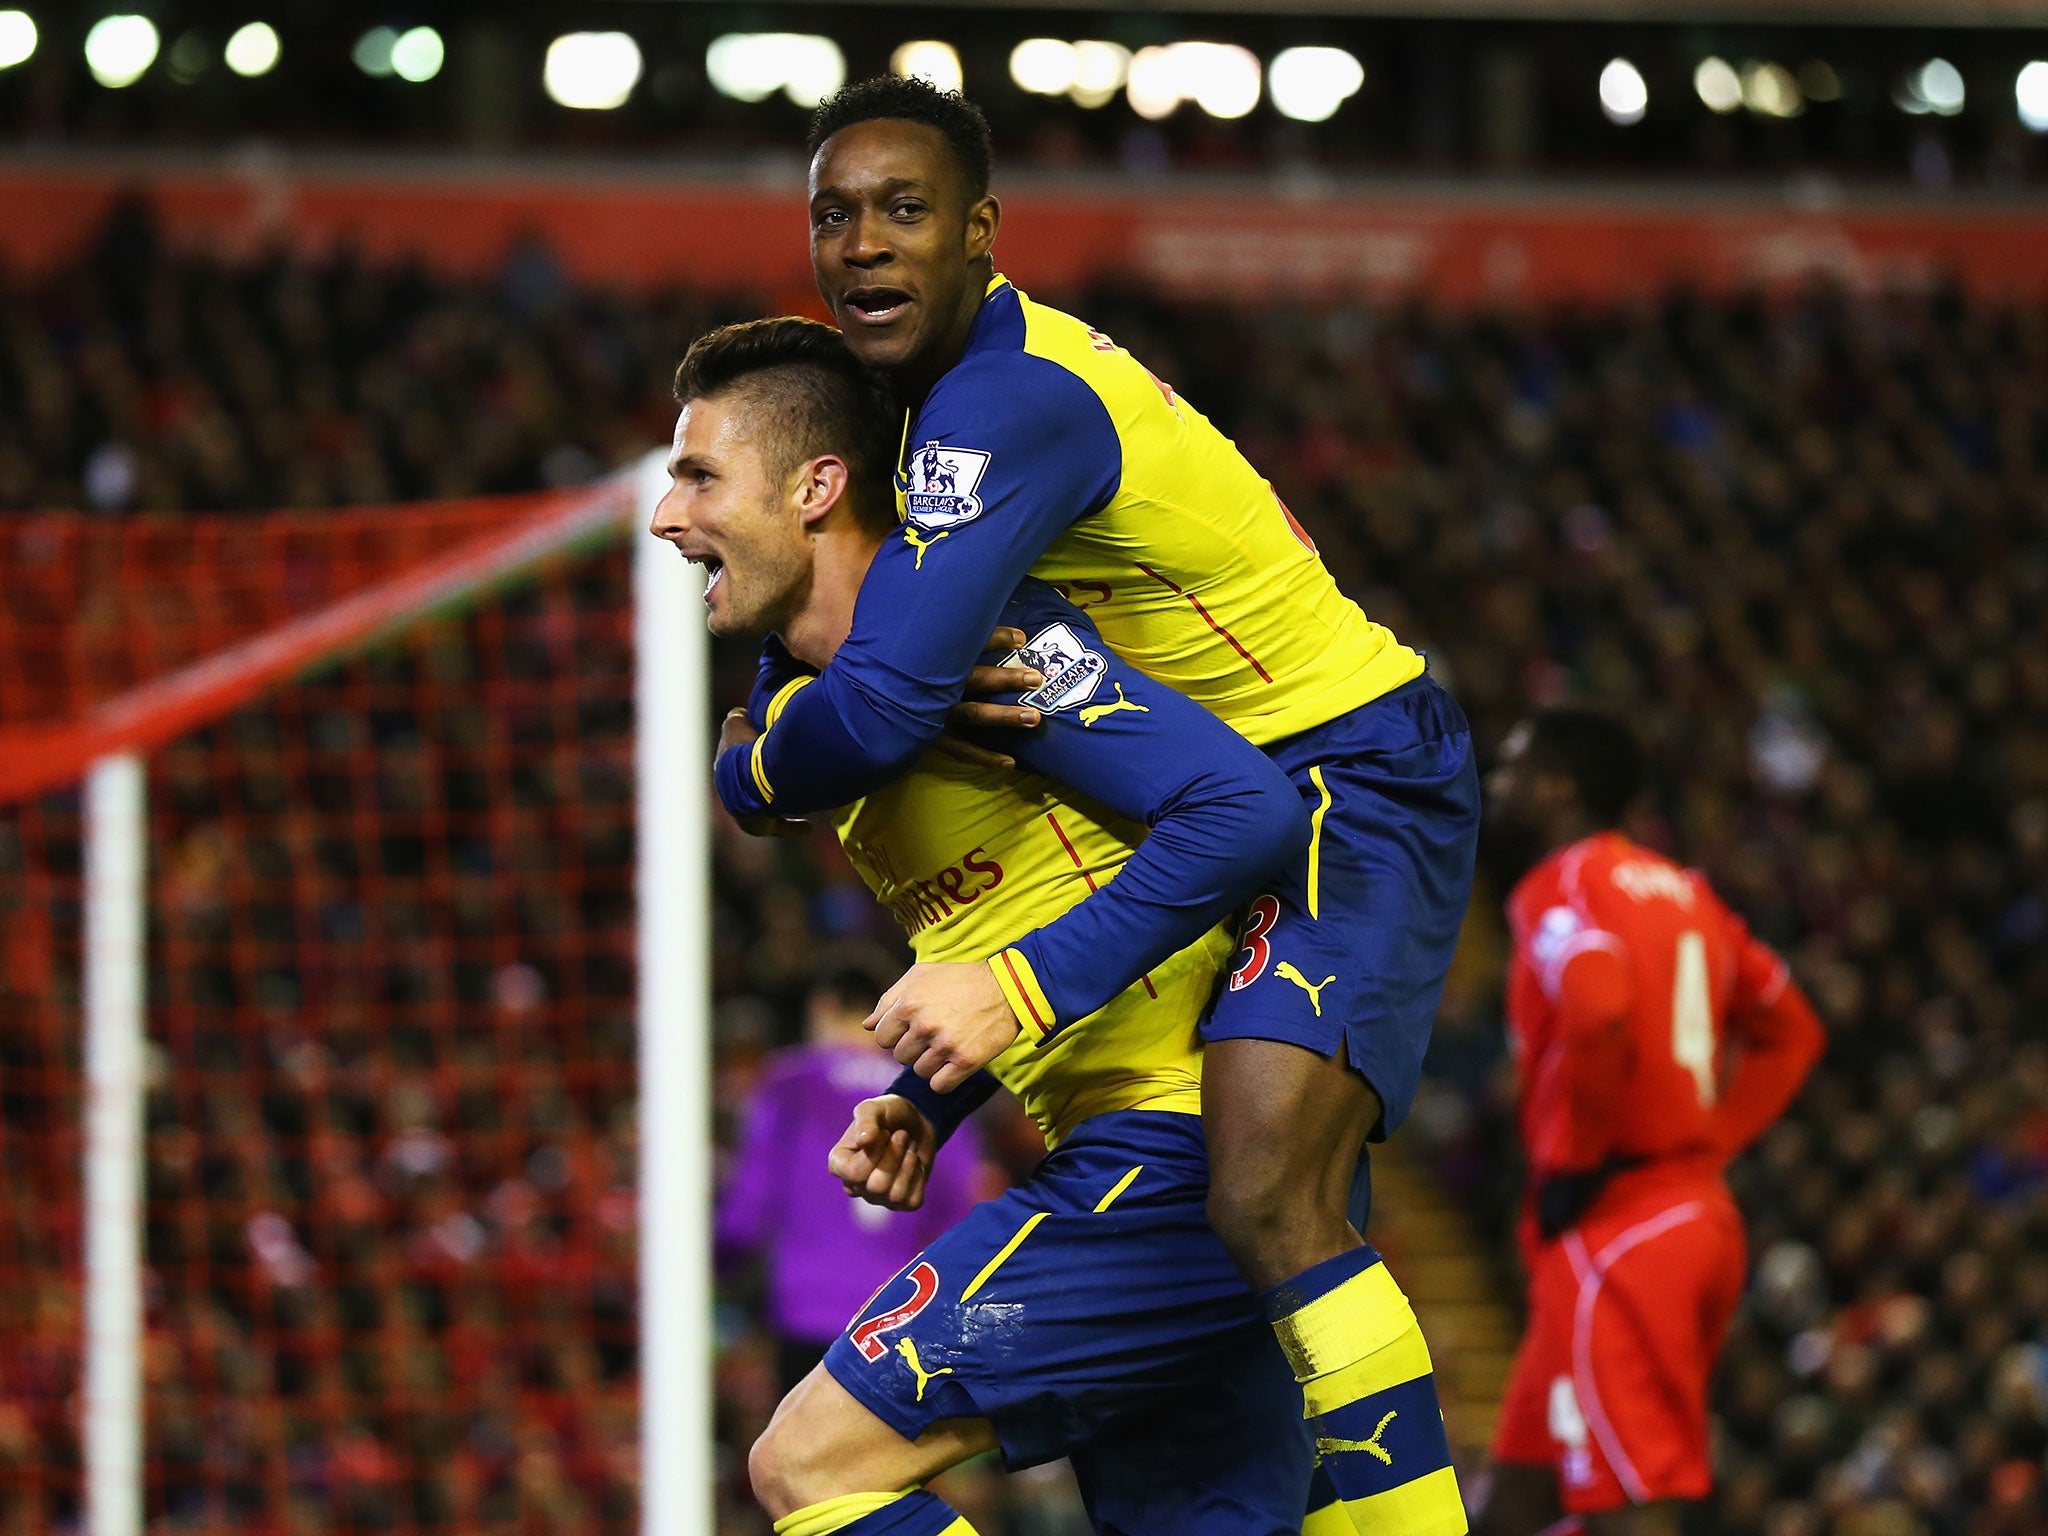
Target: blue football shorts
(1092, 1313)
(1348, 949)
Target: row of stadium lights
(597, 71)
(1772, 90)
(120, 49)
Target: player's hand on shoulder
(886, 1155)
(978, 706)
(738, 731)
(945, 1021)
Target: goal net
(324, 1028)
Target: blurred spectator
(825, 1252)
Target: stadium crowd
(1800, 541)
(148, 379)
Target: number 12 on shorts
(867, 1337)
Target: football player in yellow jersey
(1034, 444)
(1092, 1312)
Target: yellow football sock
(1330, 1520)
(1367, 1381)
(911, 1513)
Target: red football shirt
(1647, 1022)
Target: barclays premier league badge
(1072, 672)
(939, 487)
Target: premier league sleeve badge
(939, 487)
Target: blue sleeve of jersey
(1223, 817)
(946, 1111)
(1007, 453)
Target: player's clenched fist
(886, 1155)
(945, 1020)
(736, 731)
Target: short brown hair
(818, 397)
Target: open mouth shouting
(874, 305)
(713, 566)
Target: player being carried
(1033, 444)
(1654, 1039)
(1092, 1312)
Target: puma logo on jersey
(1315, 992)
(1370, 1446)
(1095, 712)
(919, 543)
(907, 1348)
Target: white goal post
(116, 972)
(672, 757)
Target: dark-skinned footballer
(1034, 445)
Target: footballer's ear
(983, 220)
(820, 486)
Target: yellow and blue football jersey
(1049, 450)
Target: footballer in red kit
(1654, 1038)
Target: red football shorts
(1626, 1315)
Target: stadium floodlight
(591, 71)
(752, 66)
(17, 38)
(1091, 71)
(1770, 91)
(929, 59)
(1940, 84)
(417, 55)
(253, 50)
(1717, 85)
(816, 69)
(1153, 87)
(1100, 70)
(2030, 93)
(1220, 78)
(746, 66)
(1624, 97)
(119, 49)
(1045, 66)
(1310, 84)
(372, 52)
